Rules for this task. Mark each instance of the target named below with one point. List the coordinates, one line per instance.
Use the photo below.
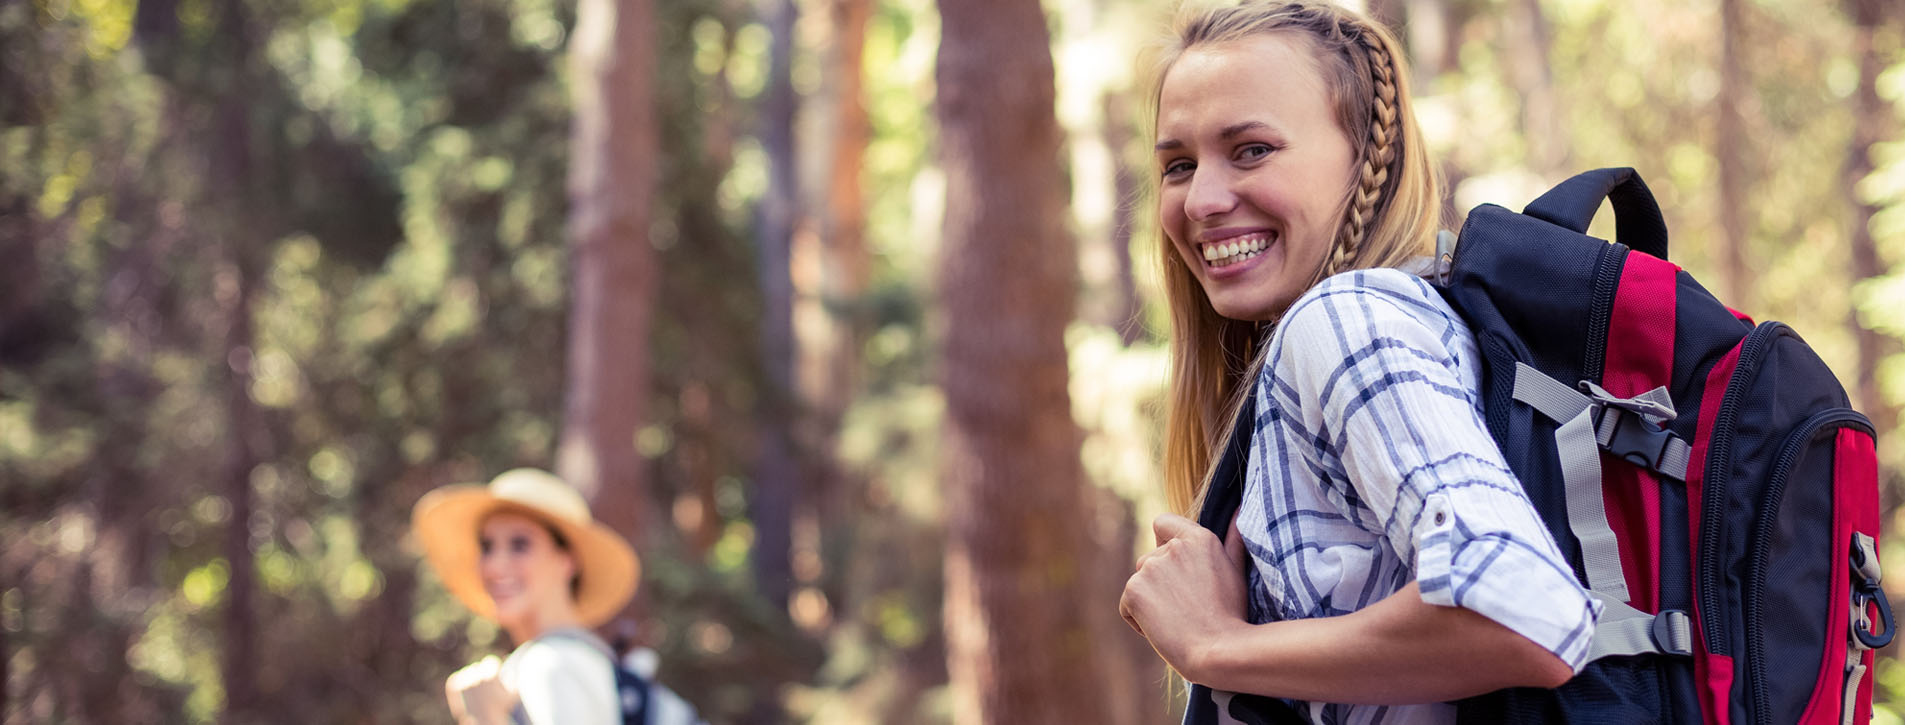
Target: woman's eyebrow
(1237, 128)
(1231, 131)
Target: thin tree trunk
(232, 169)
(1541, 115)
(611, 191)
(848, 269)
(242, 420)
(1869, 119)
(832, 270)
(1730, 143)
(1432, 35)
(776, 477)
(1141, 696)
(1020, 645)
(1125, 188)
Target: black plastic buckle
(1865, 592)
(1635, 440)
(1863, 596)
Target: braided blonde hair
(1378, 154)
(1391, 213)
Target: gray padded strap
(1673, 461)
(1587, 511)
(1547, 395)
(1581, 476)
(1623, 630)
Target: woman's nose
(1209, 196)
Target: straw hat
(445, 522)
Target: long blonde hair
(1391, 214)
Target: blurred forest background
(842, 309)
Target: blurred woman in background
(525, 552)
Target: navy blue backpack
(1706, 477)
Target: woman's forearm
(1400, 650)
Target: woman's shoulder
(559, 653)
(1369, 301)
(1384, 288)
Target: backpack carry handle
(1637, 220)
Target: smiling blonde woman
(1382, 559)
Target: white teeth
(1224, 254)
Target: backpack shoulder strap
(1223, 495)
(1225, 490)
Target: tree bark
(1019, 640)
(1126, 188)
(242, 420)
(1432, 34)
(776, 474)
(1533, 79)
(1730, 143)
(831, 271)
(611, 193)
(1869, 121)
(848, 266)
(232, 169)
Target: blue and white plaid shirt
(1371, 467)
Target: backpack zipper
(1607, 282)
(1762, 542)
(1713, 491)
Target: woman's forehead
(1267, 71)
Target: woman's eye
(519, 544)
(483, 546)
(1178, 167)
(1253, 152)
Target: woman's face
(523, 570)
(1255, 170)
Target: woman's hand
(477, 695)
(1188, 593)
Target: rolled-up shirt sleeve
(1395, 420)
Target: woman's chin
(510, 611)
(1243, 310)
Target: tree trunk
(1541, 115)
(611, 191)
(1869, 119)
(776, 476)
(832, 270)
(847, 269)
(242, 421)
(1126, 188)
(232, 170)
(1432, 34)
(1730, 149)
(1019, 640)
